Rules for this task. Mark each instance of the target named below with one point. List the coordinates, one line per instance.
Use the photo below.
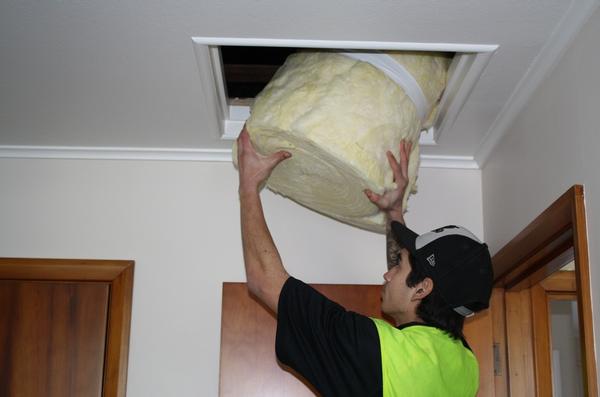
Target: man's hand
(254, 169)
(390, 202)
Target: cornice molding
(167, 154)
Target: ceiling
(119, 79)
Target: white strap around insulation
(399, 74)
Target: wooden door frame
(119, 275)
(560, 285)
(530, 257)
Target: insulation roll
(338, 114)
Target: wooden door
(65, 327)
(248, 364)
(53, 341)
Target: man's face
(396, 295)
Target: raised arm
(264, 269)
(390, 202)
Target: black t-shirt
(336, 350)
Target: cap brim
(405, 237)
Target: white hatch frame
(466, 68)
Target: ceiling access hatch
(247, 70)
(233, 71)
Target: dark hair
(433, 309)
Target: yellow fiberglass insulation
(338, 116)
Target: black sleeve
(336, 350)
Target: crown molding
(166, 154)
(114, 153)
(452, 162)
(548, 57)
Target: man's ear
(423, 289)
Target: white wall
(553, 144)
(179, 222)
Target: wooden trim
(561, 296)
(499, 339)
(563, 281)
(119, 275)
(479, 333)
(540, 265)
(61, 269)
(519, 340)
(531, 256)
(584, 300)
(542, 341)
(119, 326)
(549, 229)
(554, 288)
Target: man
(432, 282)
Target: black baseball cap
(457, 262)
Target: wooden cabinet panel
(248, 364)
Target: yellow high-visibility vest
(424, 361)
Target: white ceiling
(119, 79)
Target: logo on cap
(431, 260)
